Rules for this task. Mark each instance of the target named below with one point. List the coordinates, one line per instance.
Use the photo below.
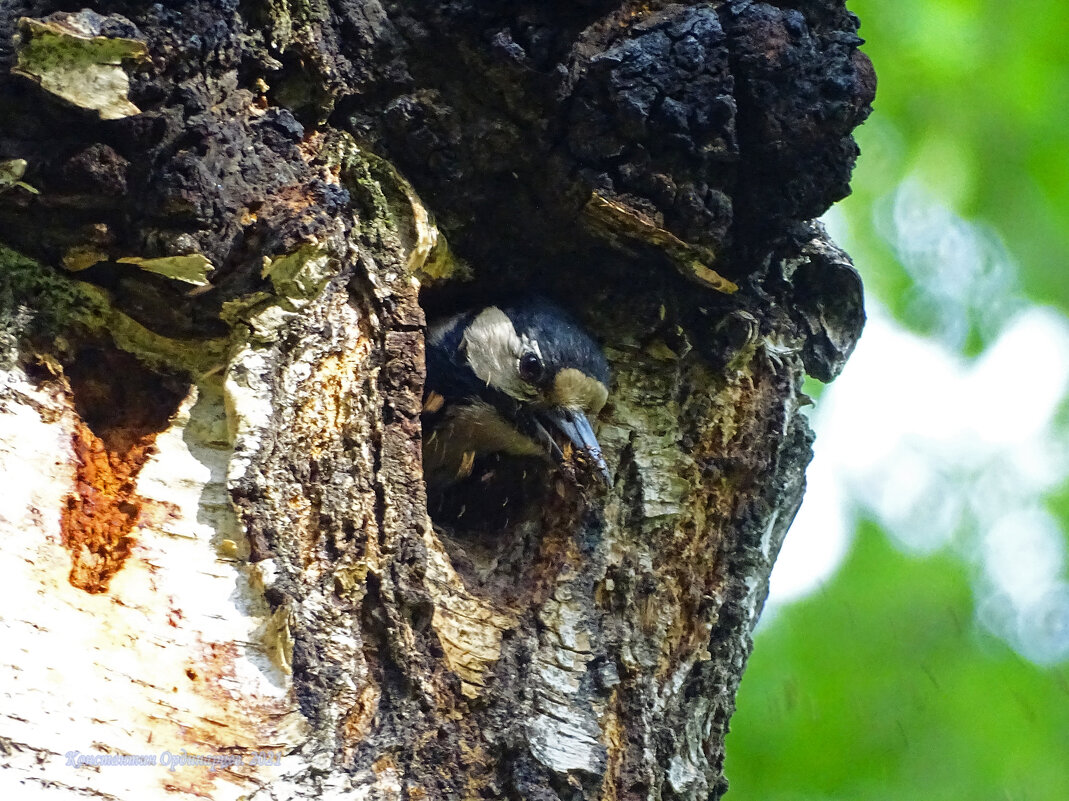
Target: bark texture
(221, 226)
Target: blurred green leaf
(973, 100)
(880, 687)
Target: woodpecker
(521, 378)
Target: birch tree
(223, 227)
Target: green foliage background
(881, 685)
(974, 98)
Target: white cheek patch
(493, 348)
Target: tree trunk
(220, 576)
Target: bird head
(531, 380)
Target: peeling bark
(216, 260)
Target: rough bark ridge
(224, 180)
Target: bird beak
(564, 432)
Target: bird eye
(530, 367)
